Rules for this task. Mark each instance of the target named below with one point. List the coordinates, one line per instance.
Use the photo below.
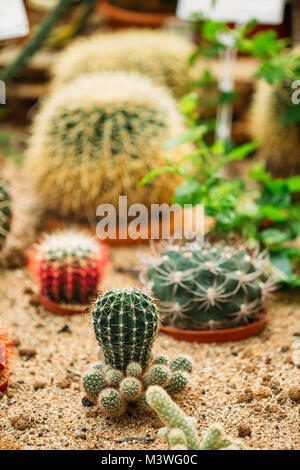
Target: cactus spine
(95, 138)
(69, 265)
(181, 432)
(160, 55)
(125, 323)
(209, 287)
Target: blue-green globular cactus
(125, 323)
(209, 287)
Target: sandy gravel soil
(248, 386)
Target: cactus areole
(125, 323)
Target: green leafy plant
(267, 214)
(263, 45)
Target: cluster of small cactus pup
(180, 432)
(125, 323)
(208, 287)
(69, 265)
(5, 205)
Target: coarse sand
(244, 385)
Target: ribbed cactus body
(181, 432)
(172, 415)
(5, 205)
(69, 265)
(160, 55)
(95, 138)
(125, 324)
(208, 287)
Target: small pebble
(244, 430)
(27, 352)
(87, 402)
(246, 396)
(294, 393)
(262, 392)
(39, 384)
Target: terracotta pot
(218, 336)
(52, 224)
(130, 17)
(3, 386)
(61, 309)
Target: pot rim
(219, 336)
(61, 309)
(3, 386)
(127, 16)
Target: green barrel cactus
(5, 206)
(160, 55)
(180, 432)
(208, 287)
(125, 323)
(95, 138)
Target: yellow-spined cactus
(275, 121)
(96, 137)
(160, 55)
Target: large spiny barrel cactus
(94, 140)
(275, 121)
(125, 323)
(5, 204)
(160, 55)
(69, 265)
(209, 287)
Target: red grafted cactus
(5, 354)
(69, 265)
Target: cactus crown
(4, 210)
(209, 287)
(69, 265)
(96, 137)
(125, 324)
(160, 55)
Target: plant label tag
(233, 11)
(13, 19)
